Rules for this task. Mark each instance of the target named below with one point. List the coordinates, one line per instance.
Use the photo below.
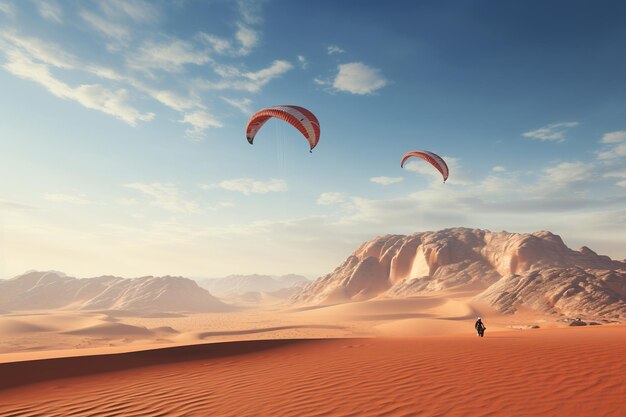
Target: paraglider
(432, 158)
(299, 117)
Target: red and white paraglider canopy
(432, 158)
(299, 117)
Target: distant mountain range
(235, 285)
(506, 270)
(53, 290)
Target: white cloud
(558, 178)
(105, 26)
(50, 10)
(248, 38)
(174, 100)
(615, 152)
(358, 78)
(498, 168)
(618, 174)
(331, 198)
(219, 45)
(250, 11)
(334, 49)
(7, 8)
(614, 137)
(249, 186)
(93, 96)
(39, 50)
(67, 198)
(319, 81)
(242, 104)
(170, 56)
(200, 121)
(616, 148)
(114, 103)
(166, 196)
(136, 10)
(233, 78)
(386, 180)
(554, 132)
(302, 62)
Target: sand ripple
(560, 372)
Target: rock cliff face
(52, 290)
(500, 267)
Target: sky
(123, 151)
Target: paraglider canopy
(299, 117)
(430, 157)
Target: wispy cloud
(135, 49)
(136, 10)
(7, 8)
(553, 133)
(358, 78)
(67, 198)
(200, 121)
(386, 180)
(334, 49)
(302, 62)
(50, 10)
(234, 79)
(242, 104)
(616, 148)
(332, 198)
(166, 196)
(92, 96)
(249, 186)
(174, 100)
(248, 39)
(38, 50)
(498, 168)
(105, 26)
(563, 174)
(618, 174)
(171, 56)
(614, 137)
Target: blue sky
(123, 150)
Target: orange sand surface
(545, 372)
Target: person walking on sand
(480, 327)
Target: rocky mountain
(507, 270)
(242, 284)
(51, 290)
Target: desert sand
(548, 372)
(55, 333)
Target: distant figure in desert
(480, 327)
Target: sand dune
(13, 326)
(555, 372)
(112, 330)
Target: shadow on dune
(267, 329)
(383, 317)
(15, 374)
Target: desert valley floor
(383, 357)
(554, 372)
